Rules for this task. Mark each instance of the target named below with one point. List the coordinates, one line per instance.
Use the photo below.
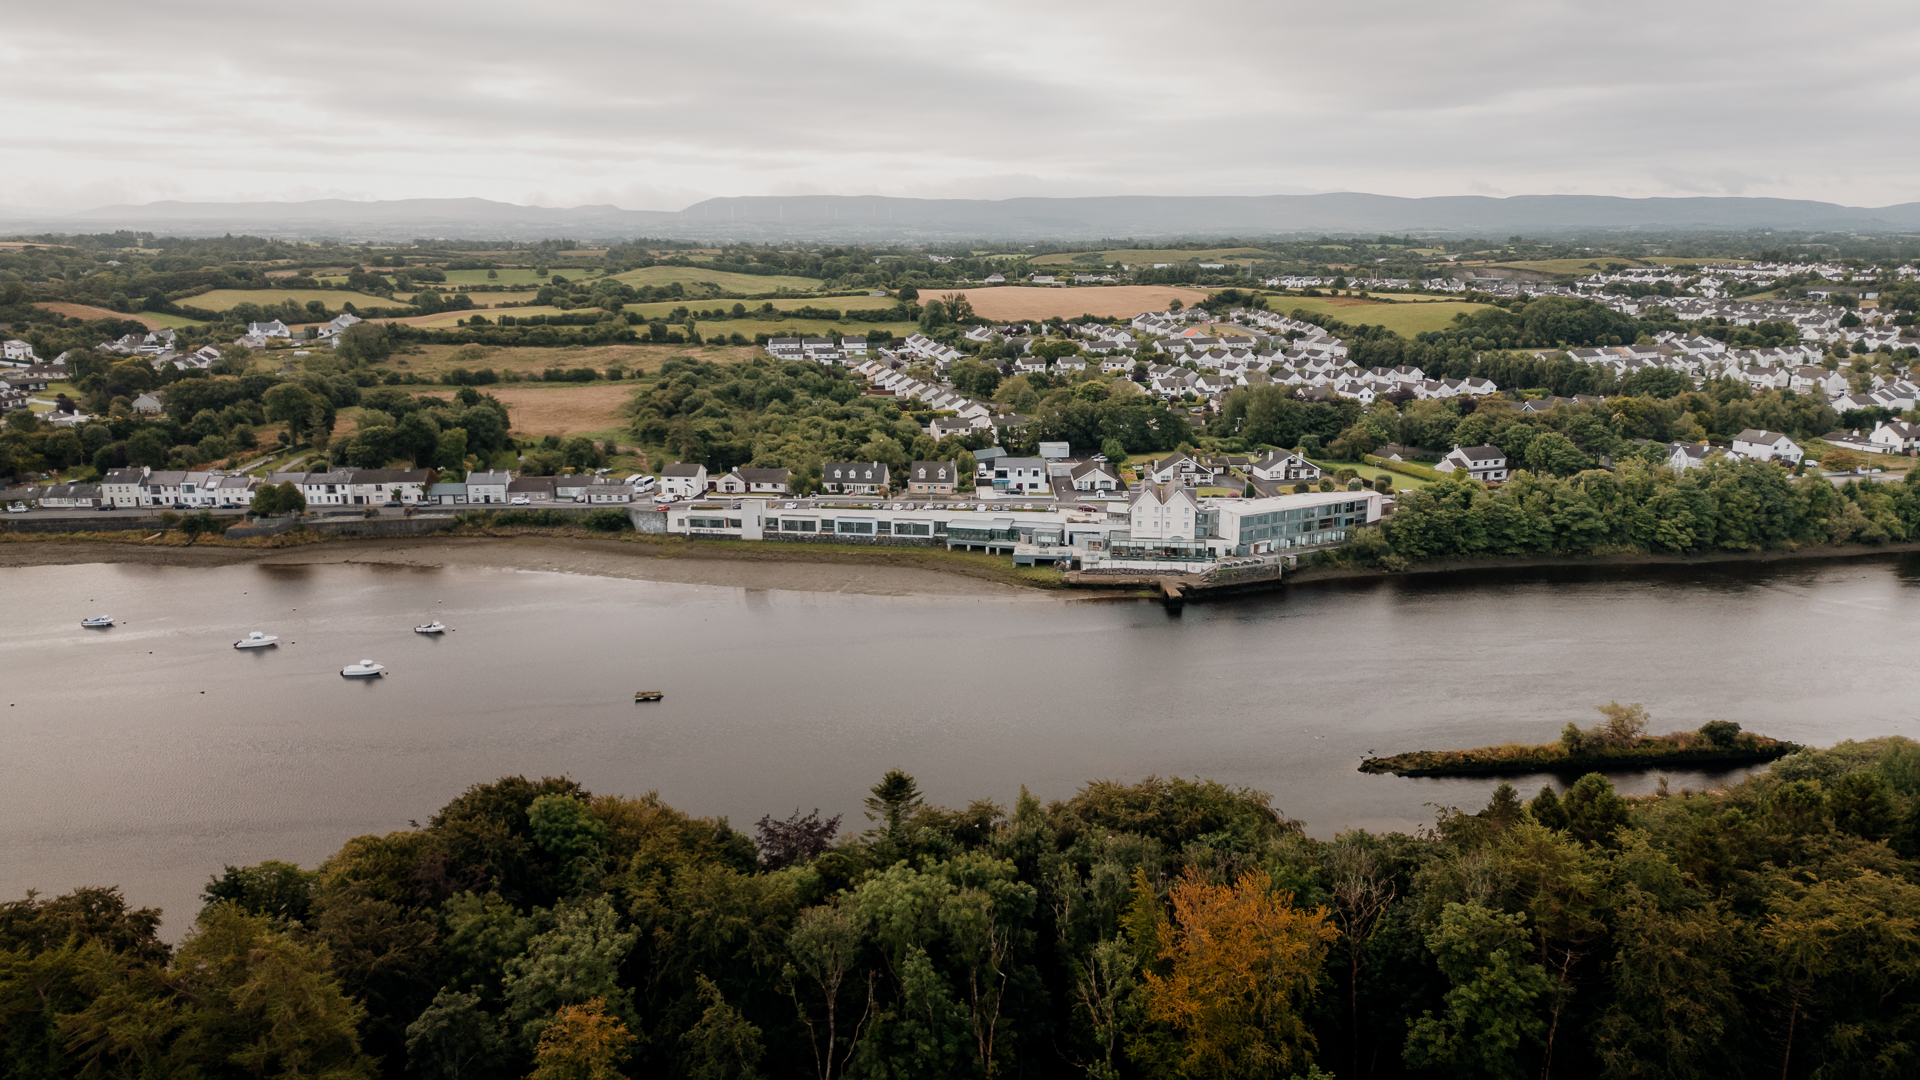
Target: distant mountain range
(874, 218)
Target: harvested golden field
(565, 409)
(1012, 302)
(87, 311)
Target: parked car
(17, 508)
(520, 500)
(663, 498)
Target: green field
(1567, 266)
(177, 322)
(724, 280)
(516, 276)
(1403, 319)
(228, 299)
(838, 303)
(1148, 256)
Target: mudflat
(602, 558)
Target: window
(791, 525)
(706, 523)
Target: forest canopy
(1161, 928)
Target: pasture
(1015, 302)
(517, 276)
(1136, 256)
(1403, 319)
(721, 280)
(838, 303)
(1566, 266)
(228, 299)
(434, 361)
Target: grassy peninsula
(1619, 743)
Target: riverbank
(1820, 553)
(736, 564)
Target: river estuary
(151, 754)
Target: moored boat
(647, 695)
(365, 669)
(257, 640)
(97, 622)
(434, 627)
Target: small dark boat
(647, 695)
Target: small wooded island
(1619, 743)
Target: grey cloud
(589, 100)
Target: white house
(854, 477)
(1898, 436)
(1480, 462)
(372, 487)
(488, 487)
(1096, 476)
(1279, 466)
(1767, 446)
(1163, 512)
(1021, 476)
(1683, 456)
(682, 479)
(744, 481)
(274, 329)
(124, 487)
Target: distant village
(1196, 510)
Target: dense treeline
(772, 413)
(206, 419)
(1722, 506)
(1567, 438)
(1158, 929)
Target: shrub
(608, 519)
(1720, 732)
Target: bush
(608, 519)
(1720, 732)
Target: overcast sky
(655, 106)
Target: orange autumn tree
(583, 1042)
(1242, 962)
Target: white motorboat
(365, 669)
(97, 622)
(434, 627)
(257, 640)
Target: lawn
(1403, 319)
(1149, 256)
(1370, 472)
(228, 299)
(838, 303)
(724, 280)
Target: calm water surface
(151, 754)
